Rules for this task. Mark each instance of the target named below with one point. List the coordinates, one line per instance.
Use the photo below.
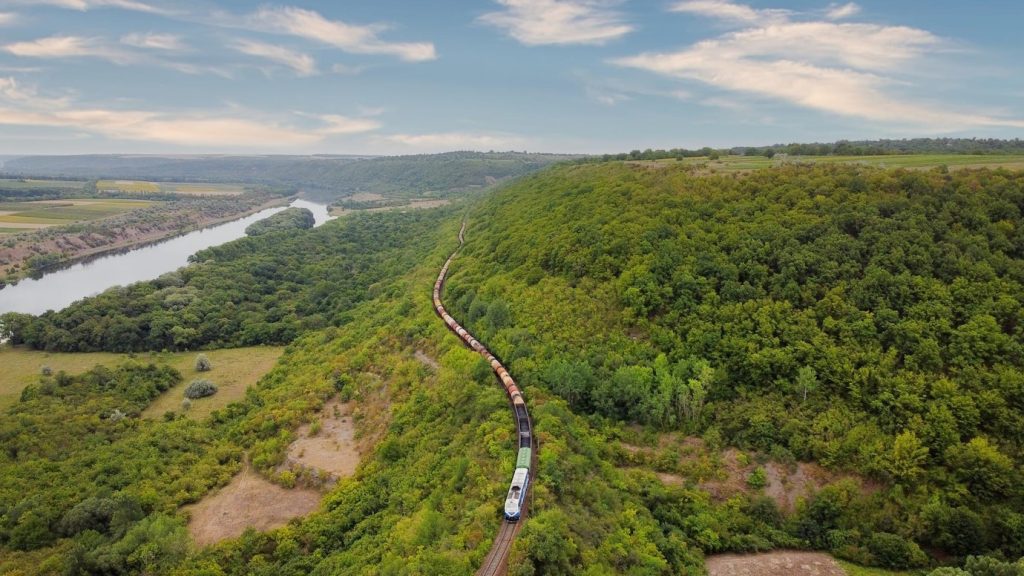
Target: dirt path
(782, 563)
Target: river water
(59, 288)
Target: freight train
(516, 497)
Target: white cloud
(302, 64)
(21, 106)
(448, 141)
(8, 18)
(838, 12)
(337, 124)
(153, 41)
(68, 47)
(84, 5)
(850, 69)
(351, 38)
(539, 22)
(729, 11)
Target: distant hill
(324, 177)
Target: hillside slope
(869, 320)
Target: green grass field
(17, 184)
(46, 213)
(234, 369)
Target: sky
(585, 76)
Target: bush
(46, 371)
(757, 479)
(988, 566)
(200, 389)
(203, 363)
(894, 551)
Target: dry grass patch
(234, 370)
(780, 563)
(248, 501)
(327, 444)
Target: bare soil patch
(249, 501)
(782, 563)
(678, 459)
(333, 449)
(426, 360)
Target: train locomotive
(516, 498)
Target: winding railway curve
(496, 562)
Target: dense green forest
(866, 319)
(283, 221)
(838, 148)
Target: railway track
(496, 562)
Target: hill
(659, 318)
(321, 177)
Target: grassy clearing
(11, 230)
(20, 184)
(855, 570)
(57, 212)
(233, 370)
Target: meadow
(234, 369)
(22, 216)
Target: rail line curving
(496, 562)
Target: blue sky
(399, 77)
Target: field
(953, 161)
(184, 188)
(21, 216)
(19, 184)
(233, 370)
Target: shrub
(200, 389)
(894, 551)
(203, 363)
(988, 566)
(757, 479)
(46, 370)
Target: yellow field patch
(234, 369)
(127, 186)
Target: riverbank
(57, 248)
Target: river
(57, 289)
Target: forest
(866, 319)
(283, 221)
(322, 177)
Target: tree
(907, 458)
(806, 381)
(988, 473)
